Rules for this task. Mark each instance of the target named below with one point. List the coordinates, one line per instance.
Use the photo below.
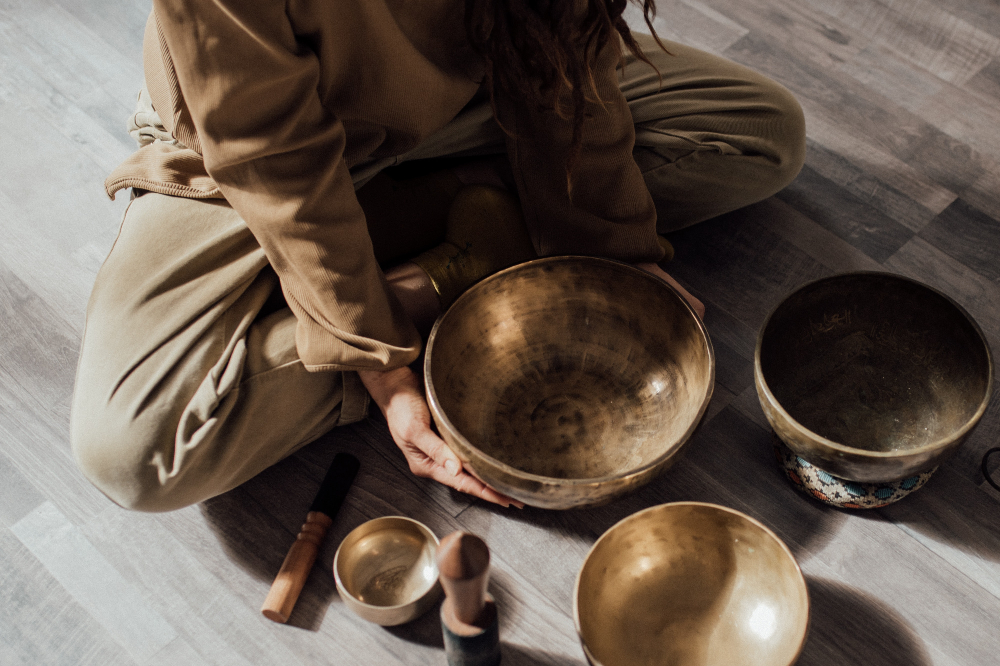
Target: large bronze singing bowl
(690, 584)
(567, 381)
(872, 377)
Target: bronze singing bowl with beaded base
(690, 584)
(567, 381)
(872, 377)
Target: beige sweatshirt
(275, 101)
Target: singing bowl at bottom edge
(568, 381)
(690, 583)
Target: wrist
(383, 384)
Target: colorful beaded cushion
(839, 492)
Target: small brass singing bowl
(687, 584)
(567, 381)
(872, 377)
(386, 570)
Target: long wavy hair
(538, 50)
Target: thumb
(438, 450)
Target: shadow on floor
(849, 627)
(518, 655)
(729, 461)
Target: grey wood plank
(957, 522)
(905, 83)
(986, 83)
(846, 216)
(740, 248)
(965, 116)
(813, 35)
(923, 31)
(869, 190)
(968, 235)
(233, 540)
(55, 234)
(38, 449)
(850, 626)
(40, 623)
(822, 245)
(984, 15)
(212, 621)
(17, 495)
(93, 583)
(982, 194)
(689, 21)
(747, 404)
(116, 22)
(824, 129)
(39, 352)
(878, 557)
(79, 72)
(178, 651)
(733, 371)
(870, 116)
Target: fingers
(439, 452)
(397, 393)
(426, 467)
(430, 457)
(470, 485)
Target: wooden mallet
(469, 613)
(302, 555)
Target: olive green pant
(189, 382)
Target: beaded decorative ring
(835, 491)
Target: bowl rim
(438, 411)
(843, 448)
(353, 599)
(800, 577)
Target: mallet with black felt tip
(468, 614)
(302, 555)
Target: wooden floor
(902, 101)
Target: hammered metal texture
(690, 584)
(567, 381)
(872, 377)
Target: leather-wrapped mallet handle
(302, 555)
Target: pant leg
(714, 137)
(711, 135)
(182, 392)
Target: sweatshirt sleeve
(276, 152)
(611, 213)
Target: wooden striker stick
(295, 569)
(302, 555)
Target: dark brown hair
(538, 50)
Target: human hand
(650, 267)
(398, 394)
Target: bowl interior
(571, 368)
(387, 562)
(691, 583)
(875, 362)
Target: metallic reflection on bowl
(567, 381)
(690, 584)
(872, 377)
(386, 570)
